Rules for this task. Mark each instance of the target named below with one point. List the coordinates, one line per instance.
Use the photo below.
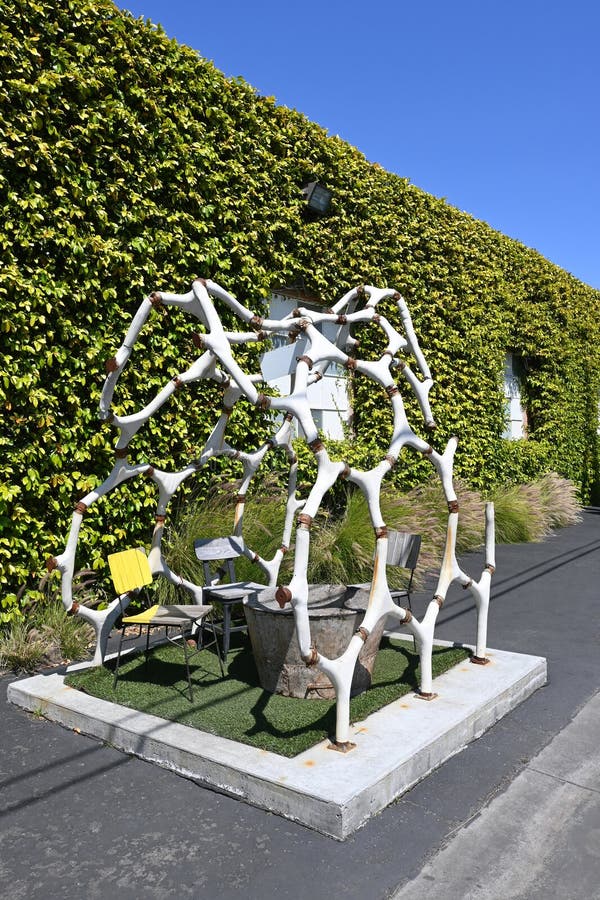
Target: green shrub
(130, 164)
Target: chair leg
(147, 643)
(216, 643)
(187, 661)
(116, 675)
(226, 629)
(410, 608)
(203, 644)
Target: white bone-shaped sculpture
(217, 363)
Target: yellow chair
(130, 572)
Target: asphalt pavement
(514, 815)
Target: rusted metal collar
(80, 508)
(362, 632)
(305, 359)
(263, 402)
(283, 595)
(122, 452)
(341, 746)
(453, 506)
(439, 600)
(312, 658)
(156, 300)
(316, 446)
(304, 521)
(381, 532)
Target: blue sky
(492, 104)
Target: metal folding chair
(403, 553)
(217, 556)
(131, 573)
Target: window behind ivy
(515, 415)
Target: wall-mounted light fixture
(318, 198)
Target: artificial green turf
(236, 707)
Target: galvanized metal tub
(335, 613)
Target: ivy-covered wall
(127, 164)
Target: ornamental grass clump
(213, 517)
(44, 635)
(558, 498)
(71, 635)
(22, 648)
(48, 637)
(343, 542)
(342, 546)
(519, 514)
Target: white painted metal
(305, 362)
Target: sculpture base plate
(333, 793)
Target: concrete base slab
(333, 793)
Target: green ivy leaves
(128, 163)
